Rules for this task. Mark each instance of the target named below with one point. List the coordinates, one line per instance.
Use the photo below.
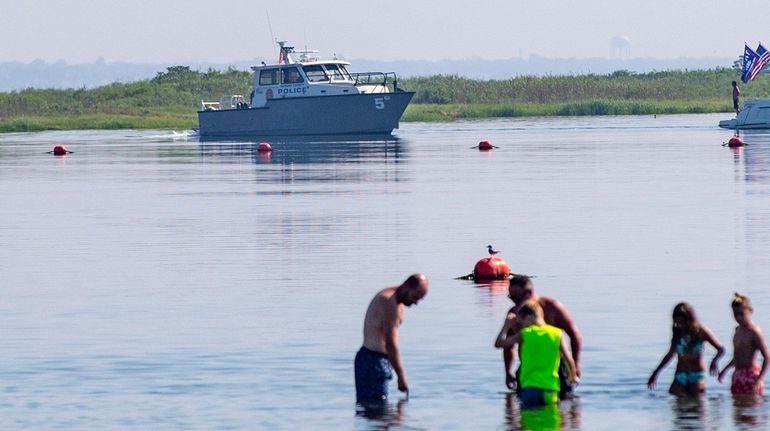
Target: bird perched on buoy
(484, 146)
(59, 150)
(489, 268)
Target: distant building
(620, 47)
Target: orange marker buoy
(264, 147)
(735, 141)
(485, 146)
(59, 150)
(491, 268)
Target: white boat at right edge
(755, 115)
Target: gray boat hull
(321, 115)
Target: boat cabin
(308, 76)
(301, 80)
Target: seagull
(492, 251)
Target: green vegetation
(171, 99)
(450, 112)
(442, 98)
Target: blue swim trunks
(567, 389)
(372, 370)
(531, 398)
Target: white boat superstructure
(755, 115)
(307, 75)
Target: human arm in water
(763, 350)
(393, 320)
(712, 339)
(508, 352)
(663, 362)
(725, 369)
(570, 362)
(508, 359)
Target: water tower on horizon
(620, 47)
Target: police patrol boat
(754, 115)
(308, 96)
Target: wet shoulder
(554, 312)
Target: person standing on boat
(379, 356)
(520, 290)
(736, 94)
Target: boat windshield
(268, 77)
(315, 73)
(346, 73)
(291, 76)
(338, 73)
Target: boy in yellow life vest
(541, 348)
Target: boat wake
(184, 134)
(174, 135)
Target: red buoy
(485, 146)
(59, 150)
(735, 141)
(491, 268)
(264, 147)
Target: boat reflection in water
(752, 174)
(756, 156)
(328, 158)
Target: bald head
(412, 290)
(520, 288)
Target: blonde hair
(741, 301)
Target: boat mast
(284, 57)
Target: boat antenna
(270, 26)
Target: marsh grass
(449, 112)
(97, 121)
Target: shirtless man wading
(379, 356)
(520, 290)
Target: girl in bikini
(687, 343)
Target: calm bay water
(150, 281)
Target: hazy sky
(162, 31)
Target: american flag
(764, 58)
(750, 58)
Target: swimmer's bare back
(383, 317)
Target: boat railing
(209, 106)
(385, 80)
(233, 101)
